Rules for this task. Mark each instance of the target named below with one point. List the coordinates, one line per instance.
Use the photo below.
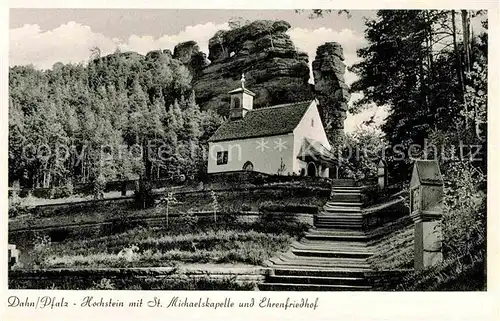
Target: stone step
(291, 256)
(347, 189)
(341, 182)
(338, 237)
(334, 253)
(304, 279)
(339, 209)
(344, 204)
(337, 244)
(352, 263)
(324, 212)
(346, 197)
(332, 248)
(347, 227)
(317, 231)
(338, 217)
(322, 272)
(340, 223)
(310, 287)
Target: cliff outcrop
(274, 69)
(330, 87)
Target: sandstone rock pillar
(330, 88)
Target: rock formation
(189, 54)
(274, 69)
(330, 87)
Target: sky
(42, 37)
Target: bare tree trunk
(460, 72)
(466, 37)
(83, 171)
(457, 54)
(467, 58)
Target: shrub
(270, 206)
(464, 217)
(188, 220)
(62, 191)
(41, 250)
(104, 284)
(18, 206)
(246, 207)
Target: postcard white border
(333, 306)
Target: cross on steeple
(243, 80)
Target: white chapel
(287, 139)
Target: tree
(169, 200)
(408, 65)
(95, 53)
(319, 13)
(282, 168)
(215, 204)
(237, 22)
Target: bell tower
(241, 101)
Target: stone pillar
(382, 174)
(13, 255)
(426, 201)
(124, 188)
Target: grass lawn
(229, 202)
(186, 241)
(395, 250)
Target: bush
(246, 207)
(188, 220)
(464, 217)
(18, 206)
(270, 206)
(104, 284)
(62, 191)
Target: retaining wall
(159, 278)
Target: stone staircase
(332, 256)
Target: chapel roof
(268, 121)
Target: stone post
(13, 255)
(426, 210)
(124, 188)
(382, 174)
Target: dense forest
(126, 116)
(121, 116)
(430, 68)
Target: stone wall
(159, 278)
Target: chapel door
(248, 166)
(311, 169)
